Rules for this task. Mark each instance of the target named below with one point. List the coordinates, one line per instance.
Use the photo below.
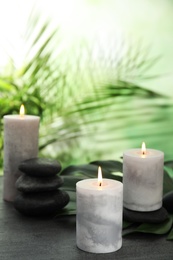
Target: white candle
(20, 143)
(143, 179)
(99, 215)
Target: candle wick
(100, 184)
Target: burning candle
(20, 143)
(99, 215)
(143, 179)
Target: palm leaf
(86, 105)
(170, 235)
(159, 229)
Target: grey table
(25, 238)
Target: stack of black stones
(38, 186)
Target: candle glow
(22, 110)
(143, 149)
(99, 176)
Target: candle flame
(22, 110)
(143, 149)
(99, 176)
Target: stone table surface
(25, 238)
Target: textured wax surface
(20, 143)
(142, 182)
(99, 220)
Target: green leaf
(111, 165)
(6, 86)
(158, 229)
(80, 169)
(167, 183)
(91, 170)
(170, 235)
(67, 211)
(70, 182)
(127, 224)
(168, 166)
(111, 169)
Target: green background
(99, 73)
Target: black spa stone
(26, 183)
(40, 167)
(157, 216)
(41, 205)
(168, 201)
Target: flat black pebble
(157, 216)
(26, 183)
(40, 167)
(168, 201)
(41, 204)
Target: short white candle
(99, 215)
(143, 179)
(20, 143)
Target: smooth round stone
(40, 167)
(168, 201)
(156, 216)
(41, 204)
(28, 183)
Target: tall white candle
(143, 179)
(99, 215)
(20, 143)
